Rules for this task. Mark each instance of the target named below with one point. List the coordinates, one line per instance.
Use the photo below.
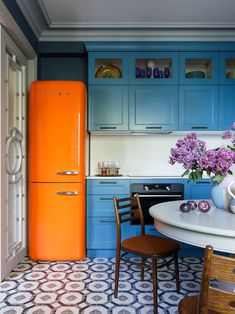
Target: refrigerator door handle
(67, 193)
(69, 172)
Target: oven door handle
(160, 195)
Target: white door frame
(26, 56)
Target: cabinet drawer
(101, 205)
(101, 233)
(108, 186)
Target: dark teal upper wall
(22, 22)
(62, 61)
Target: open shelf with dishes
(108, 68)
(198, 68)
(154, 68)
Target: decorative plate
(108, 71)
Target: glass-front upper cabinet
(227, 67)
(108, 68)
(154, 68)
(198, 68)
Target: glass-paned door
(13, 151)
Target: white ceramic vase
(219, 192)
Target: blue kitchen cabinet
(198, 108)
(227, 68)
(101, 224)
(108, 108)
(153, 108)
(108, 68)
(198, 190)
(227, 106)
(157, 68)
(198, 68)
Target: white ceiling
(132, 19)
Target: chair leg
(142, 269)
(155, 288)
(177, 274)
(117, 269)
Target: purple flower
(187, 151)
(227, 134)
(192, 154)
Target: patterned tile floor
(87, 287)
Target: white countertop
(216, 227)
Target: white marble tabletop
(216, 227)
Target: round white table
(216, 227)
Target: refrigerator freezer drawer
(57, 131)
(57, 221)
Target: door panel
(57, 125)
(13, 151)
(57, 221)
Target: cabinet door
(198, 108)
(227, 68)
(153, 108)
(57, 131)
(198, 190)
(109, 68)
(108, 108)
(154, 68)
(198, 68)
(227, 108)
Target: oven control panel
(156, 187)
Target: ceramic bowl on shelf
(230, 74)
(195, 74)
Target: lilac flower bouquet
(197, 160)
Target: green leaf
(218, 178)
(186, 173)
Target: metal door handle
(67, 193)
(69, 172)
(108, 220)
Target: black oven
(151, 194)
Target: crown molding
(10, 25)
(35, 15)
(139, 35)
(140, 25)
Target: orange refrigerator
(57, 170)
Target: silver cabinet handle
(160, 195)
(67, 193)
(108, 220)
(106, 198)
(109, 182)
(69, 172)
(153, 127)
(108, 127)
(199, 127)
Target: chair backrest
(219, 268)
(128, 209)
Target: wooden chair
(211, 299)
(145, 246)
